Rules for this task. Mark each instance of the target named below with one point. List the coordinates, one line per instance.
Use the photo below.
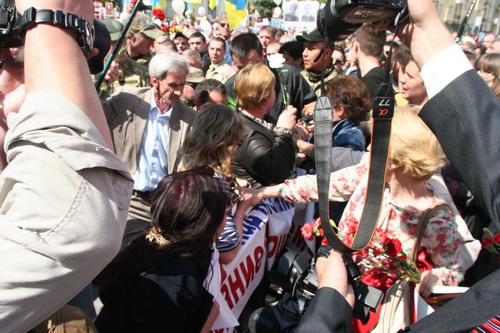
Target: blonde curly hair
(413, 146)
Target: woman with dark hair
(488, 67)
(155, 284)
(214, 141)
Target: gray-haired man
(148, 126)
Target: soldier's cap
(195, 75)
(314, 36)
(143, 24)
(180, 34)
(114, 27)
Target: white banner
(266, 227)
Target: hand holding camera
(332, 273)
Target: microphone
(319, 55)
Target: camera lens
(331, 25)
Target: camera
(341, 18)
(295, 273)
(11, 36)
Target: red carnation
(487, 241)
(159, 14)
(307, 230)
(394, 247)
(497, 237)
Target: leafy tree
(264, 7)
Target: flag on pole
(236, 11)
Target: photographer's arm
(64, 195)
(462, 114)
(54, 61)
(331, 308)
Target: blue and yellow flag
(236, 11)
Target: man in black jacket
(291, 88)
(464, 114)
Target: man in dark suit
(148, 126)
(464, 114)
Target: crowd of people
(136, 195)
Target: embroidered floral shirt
(441, 238)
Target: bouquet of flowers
(384, 259)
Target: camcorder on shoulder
(296, 274)
(11, 35)
(341, 18)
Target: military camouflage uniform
(314, 79)
(135, 73)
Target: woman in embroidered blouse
(213, 141)
(156, 283)
(415, 155)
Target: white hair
(169, 61)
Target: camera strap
(383, 111)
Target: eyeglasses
(338, 62)
(223, 24)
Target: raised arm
(54, 61)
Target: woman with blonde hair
(488, 67)
(415, 155)
(267, 152)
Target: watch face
(89, 36)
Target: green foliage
(264, 7)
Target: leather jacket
(265, 157)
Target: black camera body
(296, 274)
(10, 35)
(341, 18)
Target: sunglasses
(223, 24)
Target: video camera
(296, 274)
(10, 35)
(341, 18)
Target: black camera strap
(383, 111)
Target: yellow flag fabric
(234, 16)
(212, 4)
(162, 4)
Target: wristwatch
(78, 26)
